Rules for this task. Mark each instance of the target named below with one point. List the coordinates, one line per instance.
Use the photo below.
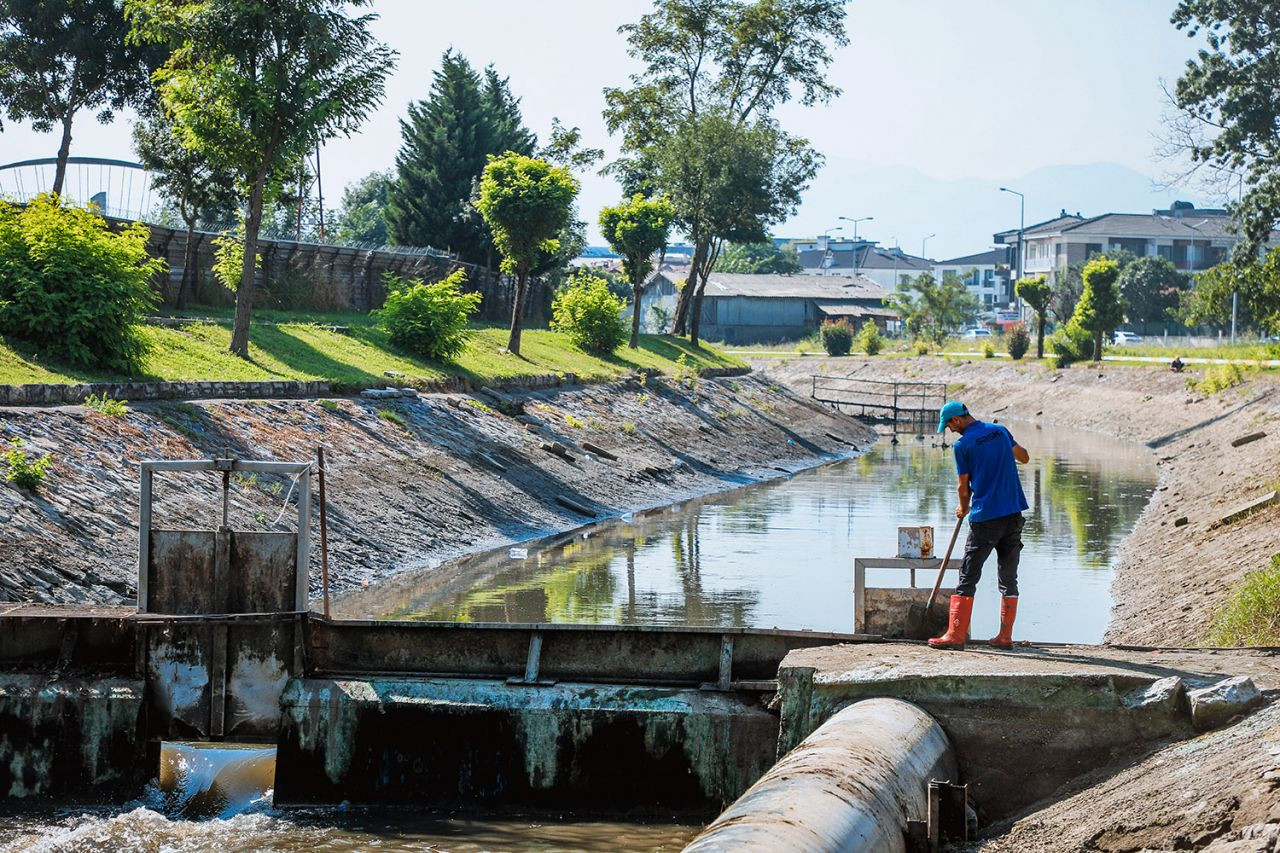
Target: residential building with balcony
(1191, 238)
(985, 274)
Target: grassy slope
(299, 350)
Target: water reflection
(781, 554)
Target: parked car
(1121, 339)
(972, 334)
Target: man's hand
(1020, 453)
(962, 511)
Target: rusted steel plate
(181, 574)
(262, 572)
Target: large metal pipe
(851, 785)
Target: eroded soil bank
(1221, 790)
(411, 481)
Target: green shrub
(1071, 343)
(21, 469)
(922, 348)
(1251, 616)
(590, 314)
(429, 320)
(1018, 341)
(104, 405)
(392, 416)
(837, 337)
(1217, 378)
(869, 338)
(73, 287)
(988, 350)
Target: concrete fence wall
(330, 278)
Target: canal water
(781, 554)
(778, 554)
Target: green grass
(1251, 617)
(303, 351)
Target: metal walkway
(909, 407)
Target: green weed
(392, 416)
(629, 427)
(328, 405)
(479, 406)
(104, 405)
(1251, 616)
(573, 422)
(1217, 378)
(642, 399)
(23, 470)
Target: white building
(886, 267)
(985, 274)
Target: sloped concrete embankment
(411, 481)
(1218, 455)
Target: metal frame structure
(860, 566)
(911, 407)
(226, 467)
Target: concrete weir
(851, 785)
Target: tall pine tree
(446, 142)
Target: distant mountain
(963, 214)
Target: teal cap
(951, 410)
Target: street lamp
(1022, 222)
(827, 233)
(924, 243)
(855, 222)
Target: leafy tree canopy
(931, 309)
(1229, 89)
(637, 229)
(759, 258)
(1037, 293)
(58, 57)
(1256, 284)
(1101, 308)
(361, 217)
(1151, 288)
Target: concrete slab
(1023, 722)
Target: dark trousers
(1002, 535)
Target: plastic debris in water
(518, 553)
(626, 516)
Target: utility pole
(924, 244)
(855, 223)
(1022, 224)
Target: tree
(763, 258)
(525, 202)
(1228, 91)
(1151, 287)
(637, 229)
(255, 86)
(1101, 309)
(59, 57)
(361, 217)
(1256, 284)
(711, 64)
(198, 188)
(1069, 284)
(1036, 292)
(446, 141)
(931, 309)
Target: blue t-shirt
(985, 452)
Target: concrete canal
(777, 554)
(780, 554)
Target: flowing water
(777, 554)
(781, 554)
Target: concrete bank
(1182, 560)
(412, 481)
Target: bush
(1251, 616)
(228, 258)
(988, 350)
(837, 337)
(73, 287)
(922, 348)
(104, 405)
(1217, 378)
(590, 314)
(429, 320)
(22, 470)
(869, 338)
(1019, 341)
(1071, 343)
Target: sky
(961, 97)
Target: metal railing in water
(909, 407)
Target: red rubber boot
(958, 627)
(1008, 610)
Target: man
(991, 495)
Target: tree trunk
(1040, 334)
(517, 311)
(636, 289)
(695, 319)
(248, 271)
(1097, 346)
(188, 259)
(680, 322)
(64, 150)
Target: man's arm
(1020, 453)
(964, 492)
